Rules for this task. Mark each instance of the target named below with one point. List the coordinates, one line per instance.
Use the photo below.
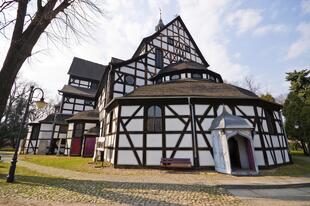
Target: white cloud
(244, 19)
(301, 45)
(204, 21)
(305, 6)
(270, 28)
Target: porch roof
(229, 121)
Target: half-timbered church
(164, 102)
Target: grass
(299, 168)
(297, 152)
(79, 164)
(7, 149)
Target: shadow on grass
(121, 192)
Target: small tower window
(188, 49)
(175, 77)
(159, 58)
(170, 41)
(196, 76)
(129, 80)
(154, 120)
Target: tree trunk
(304, 148)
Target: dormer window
(175, 77)
(170, 41)
(196, 76)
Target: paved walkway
(258, 190)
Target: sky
(261, 39)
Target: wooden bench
(176, 162)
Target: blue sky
(262, 39)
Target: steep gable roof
(86, 69)
(146, 40)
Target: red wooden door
(89, 146)
(76, 146)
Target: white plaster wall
(275, 141)
(89, 126)
(127, 157)
(248, 110)
(201, 142)
(206, 123)
(200, 109)
(174, 124)
(279, 157)
(171, 139)
(154, 140)
(259, 158)
(68, 106)
(123, 141)
(153, 157)
(179, 109)
(270, 160)
(256, 141)
(135, 125)
(186, 141)
(205, 158)
(137, 140)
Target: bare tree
(251, 85)
(29, 21)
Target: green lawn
(301, 167)
(80, 164)
(7, 149)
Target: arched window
(154, 121)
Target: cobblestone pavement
(148, 187)
(64, 191)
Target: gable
(183, 48)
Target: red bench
(176, 162)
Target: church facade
(162, 102)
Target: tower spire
(160, 24)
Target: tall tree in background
(11, 120)
(268, 97)
(30, 20)
(297, 108)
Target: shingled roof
(191, 87)
(60, 118)
(182, 66)
(84, 92)
(86, 69)
(91, 115)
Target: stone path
(257, 190)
